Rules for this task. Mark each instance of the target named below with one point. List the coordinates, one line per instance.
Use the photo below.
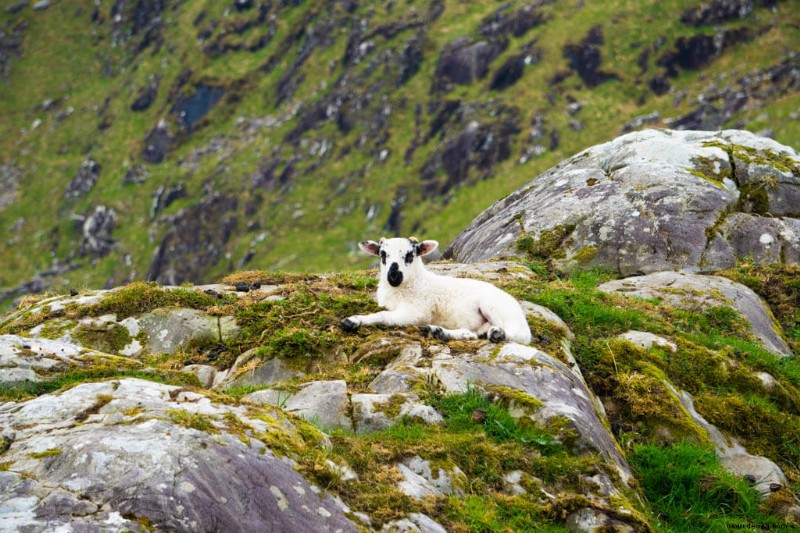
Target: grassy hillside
(335, 121)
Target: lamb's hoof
(433, 331)
(348, 325)
(497, 335)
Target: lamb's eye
(383, 257)
(409, 258)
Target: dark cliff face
(323, 123)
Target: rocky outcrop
(137, 455)
(698, 292)
(85, 179)
(408, 415)
(651, 201)
(200, 231)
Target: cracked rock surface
(649, 201)
(97, 456)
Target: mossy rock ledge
(649, 201)
(243, 406)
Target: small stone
(242, 286)
(775, 487)
(479, 416)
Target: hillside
(178, 141)
(148, 408)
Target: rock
(589, 520)
(137, 454)
(96, 231)
(463, 62)
(533, 372)
(84, 180)
(251, 371)
(325, 403)
(373, 412)
(205, 373)
(584, 58)
(200, 232)
(415, 523)
(41, 5)
(717, 12)
(762, 240)
(646, 202)
(647, 340)
(9, 181)
(170, 329)
(698, 292)
(733, 456)
(146, 96)
(157, 143)
(402, 373)
(25, 359)
(419, 480)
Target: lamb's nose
(394, 277)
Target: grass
(313, 221)
(689, 490)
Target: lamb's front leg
(399, 317)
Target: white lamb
(448, 308)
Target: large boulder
(135, 455)
(698, 292)
(649, 201)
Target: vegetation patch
(52, 452)
(104, 337)
(689, 490)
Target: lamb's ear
(426, 247)
(371, 247)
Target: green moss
(52, 452)
(391, 407)
(690, 490)
(104, 337)
(196, 421)
(514, 398)
(548, 245)
(585, 254)
(761, 426)
(140, 297)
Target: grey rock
(120, 462)
(96, 230)
(33, 359)
(760, 239)
(85, 179)
(733, 456)
(205, 373)
(526, 369)
(643, 202)
(415, 523)
(647, 340)
(697, 292)
(589, 520)
(325, 403)
(370, 411)
(248, 370)
(9, 181)
(539, 312)
(403, 372)
(420, 481)
(168, 329)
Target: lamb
(447, 308)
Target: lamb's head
(400, 258)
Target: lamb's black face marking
(409, 257)
(383, 257)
